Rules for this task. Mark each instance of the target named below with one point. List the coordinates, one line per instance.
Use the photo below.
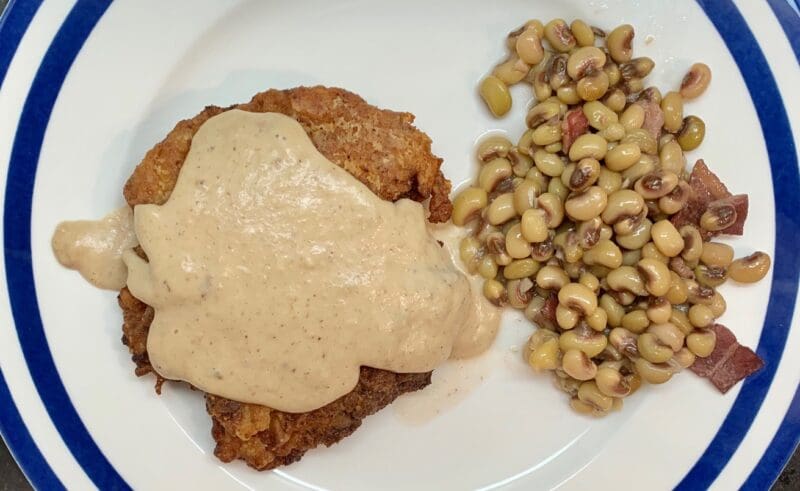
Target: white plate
(87, 88)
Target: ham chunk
(574, 125)
(653, 118)
(729, 363)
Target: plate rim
(74, 30)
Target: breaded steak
(384, 151)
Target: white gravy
(94, 247)
(275, 274)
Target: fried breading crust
(384, 151)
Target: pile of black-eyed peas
(571, 224)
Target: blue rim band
(27, 145)
(790, 23)
(777, 134)
(22, 171)
(13, 23)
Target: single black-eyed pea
(672, 108)
(559, 36)
(534, 225)
(593, 86)
(656, 184)
(569, 385)
(712, 276)
(667, 334)
(546, 134)
(542, 112)
(622, 156)
(586, 205)
(493, 147)
(632, 117)
(620, 43)
(468, 205)
(635, 321)
(624, 341)
(702, 342)
(614, 132)
(516, 245)
(614, 311)
(511, 71)
(717, 305)
(653, 373)
(541, 79)
(519, 291)
(588, 233)
(487, 267)
(718, 216)
(553, 207)
(631, 257)
(551, 278)
(622, 204)
(546, 356)
(643, 139)
(611, 382)
(606, 232)
(557, 187)
(585, 60)
(496, 95)
(553, 147)
(626, 279)
(671, 157)
(590, 281)
(588, 145)
(650, 94)
(584, 339)
(650, 250)
(470, 251)
(557, 71)
(679, 319)
(692, 133)
(494, 291)
(750, 269)
(659, 310)
(584, 35)
(493, 172)
(608, 180)
(548, 163)
(525, 143)
(579, 176)
(692, 243)
(684, 358)
(652, 349)
(638, 238)
(699, 293)
(533, 24)
(676, 200)
(521, 163)
(525, 196)
(700, 315)
(577, 365)
(500, 210)
(615, 99)
(605, 253)
(599, 115)
(632, 86)
(588, 393)
(717, 254)
(529, 46)
(566, 318)
(638, 67)
(571, 249)
(597, 320)
(667, 238)
(677, 293)
(521, 268)
(538, 177)
(655, 275)
(696, 81)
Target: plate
(89, 86)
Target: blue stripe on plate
(789, 21)
(786, 182)
(21, 444)
(17, 217)
(13, 24)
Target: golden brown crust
(383, 150)
(379, 147)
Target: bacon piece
(706, 188)
(574, 125)
(729, 363)
(653, 118)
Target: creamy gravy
(94, 248)
(275, 274)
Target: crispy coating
(384, 151)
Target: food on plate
(272, 275)
(593, 225)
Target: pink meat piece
(729, 363)
(574, 125)
(653, 118)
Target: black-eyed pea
(546, 134)
(624, 341)
(632, 118)
(599, 115)
(718, 216)
(521, 163)
(541, 113)
(711, 276)
(700, 315)
(702, 342)
(698, 293)
(525, 196)
(667, 334)
(549, 164)
(538, 177)
(683, 358)
(622, 204)
(614, 132)
(470, 252)
(553, 207)
(589, 233)
(495, 292)
(696, 81)
(584, 339)
(597, 320)
(588, 145)
(605, 253)
(608, 180)
(614, 99)
(631, 257)
(525, 143)
(671, 157)
(626, 279)
(557, 187)
(493, 172)
(534, 225)
(551, 278)
(638, 238)
(579, 176)
(521, 268)
(642, 138)
(614, 311)
(528, 46)
(622, 156)
(516, 245)
(672, 108)
(533, 24)
(750, 269)
(667, 238)
(500, 210)
(653, 373)
(546, 356)
(585, 60)
(578, 297)
(557, 72)
(512, 70)
(588, 393)
(656, 184)
(677, 293)
(586, 205)
(468, 205)
(652, 349)
(590, 281)
(692, 243)
(676, 200)
(620, 43)
(611, 382)
(584, 36)
(559, 36)
(635, 321)
(487, 267)
(679, 319)
(566, 318)
(717, 254)
(593, 86)
(541, 79)
(493, 147)
(659, 310)
(717, 304)
(655, 275)
(519, 291)
(543, 251)
(496, 95)
(691, 134)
